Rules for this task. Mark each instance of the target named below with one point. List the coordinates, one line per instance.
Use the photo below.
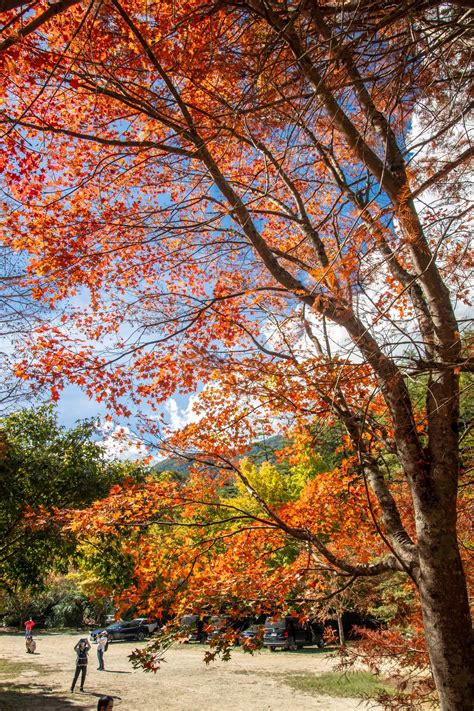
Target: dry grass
(264, 682)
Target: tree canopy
(268, 199)
(45, 468)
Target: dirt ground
(184, 683)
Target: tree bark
(446, 615)
(340, 628)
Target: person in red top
(29, 624)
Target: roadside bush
(61, 604)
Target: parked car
(222, 624)
(288, 633)
(134, 629)
(192, 628)
(251, 634)
(215, 626)
(232, 627)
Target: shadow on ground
(26, 697)
(307, 650)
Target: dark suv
(288, 633)
(135, 629)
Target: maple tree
(27, 17)
(268, 198)
(18, 312)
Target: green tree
(65, 601)
(43, 467)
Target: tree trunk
(342, 639)
(441, 578)
(446, 617)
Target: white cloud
(119, 442)
(179, 417)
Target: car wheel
(140, 636)
(272, 649)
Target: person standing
(102, 645)
(81, 649)
(29, 624)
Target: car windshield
(114, 626)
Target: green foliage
(268, 482)
(62, 603)
(359, 684)
(466, 418)
(277, 481)
(290, 480)
(394, 600)
(54, 466)
(44, 466)
(106, 560)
